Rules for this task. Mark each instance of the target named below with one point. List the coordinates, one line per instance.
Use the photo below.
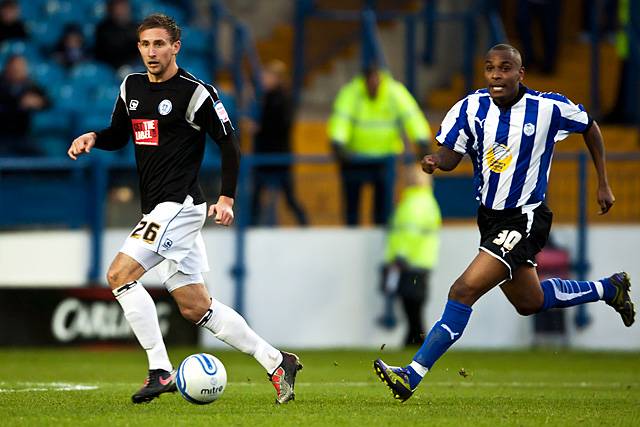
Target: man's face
(157, 50)
(373, 81)
(503, 72)
(17, 70)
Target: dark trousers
(354, 176)
(547, 13)
(412, 290)
(275, 178)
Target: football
(201, 378)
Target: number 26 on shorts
(147, 230)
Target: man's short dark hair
(159, 20)
(507, 47)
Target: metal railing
(428, 15)
(243, 47)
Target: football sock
(608, 290)
(140, 311)
(444, 333)
(559, 293)
(228, 326)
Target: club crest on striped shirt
(529, 129)
(498, 157)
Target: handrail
(243, 47)
(429, 15)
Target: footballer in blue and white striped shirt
(509, 132)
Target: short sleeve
(454, 131)
(572, 118)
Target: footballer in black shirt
(166, 112)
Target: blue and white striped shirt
(511, 148)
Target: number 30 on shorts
(150, 231)
(507, 239)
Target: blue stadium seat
(104, 96)
(65, 11)
(31, 10)
(196, 41)
(196, 65)
(48, 73)
(51, 122)
(45, 33)
(52, 145)
(95, 120)
(70, 97)
(18, 47)
(92, 74)
(144, 8)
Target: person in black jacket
(11, 25)
(273, 135)
(19, 98)
(116, 36)
(168, 112)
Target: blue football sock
(559, 293)
(608, 289)
(444, 333)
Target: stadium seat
(70, 97)
(104, 96)
(18, 47)
(45, 33)
(196, 41)
(65, 11)
(51, 122)
(145, 8)
(52, 145)
(95, 120)
(92, 74)
(31, 10)
(48, 74)
(196, 65)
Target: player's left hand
(606, 199)
(222, 211)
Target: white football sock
(418, 368)
(140, 312)
(228, 326)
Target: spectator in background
(412, 250)
(547, 13)
(71, 48)
(624, 110)
(116, 39)
(273, 135)
(11, 25)
(369, 116)
(19, 97)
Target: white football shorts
(170, 237)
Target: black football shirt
(167, 122)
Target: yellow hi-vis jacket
(415, 227)
(373, 127)
(622, 38)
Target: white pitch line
(22, 387)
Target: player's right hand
(82, 144)
(429, 163)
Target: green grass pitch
(335, 388)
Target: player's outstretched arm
(222, 211)
(82, 144)
(595, 143)
(445, 159)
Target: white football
(201, 378)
